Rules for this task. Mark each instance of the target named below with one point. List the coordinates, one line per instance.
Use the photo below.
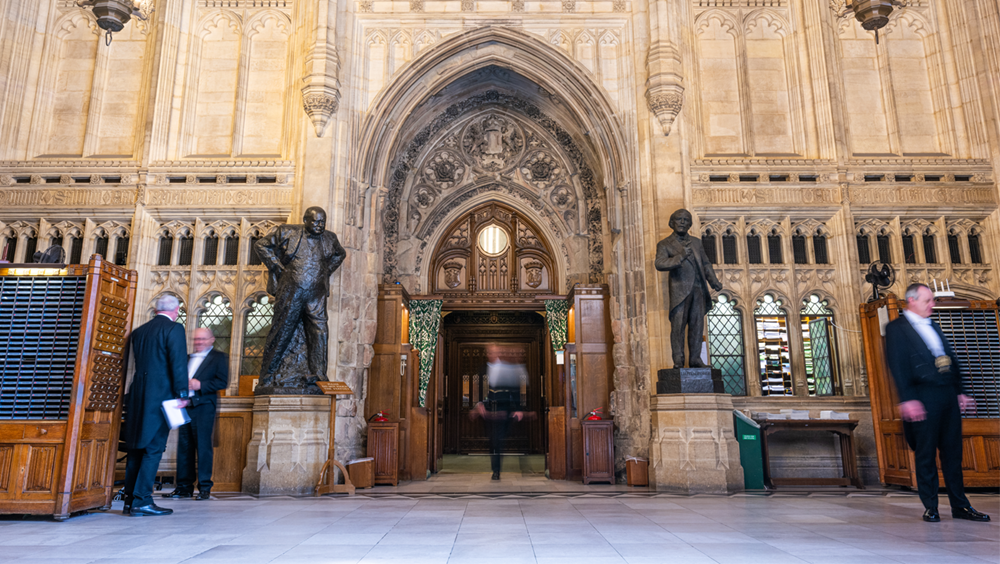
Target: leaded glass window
(725, 344)
(216, 314)
(255, 328)
(771, 323)
(818, 346)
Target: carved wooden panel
(598, 451)
(382, 446)
(40, 469)
(6, 466)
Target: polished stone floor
(478, 522)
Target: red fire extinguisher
(594, 415)
(379, 417)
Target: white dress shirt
(926, 332)
(195, 360)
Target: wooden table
(843, 428)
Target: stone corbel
(665, 101)
(320, 103)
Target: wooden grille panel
(976, 340)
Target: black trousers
(689, 314)
(940, 433)
(498, 429)
(141, 466)
(195, 440)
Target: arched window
(864, 249)
(930, 250)
(216, 314)
(30, 246)
(729, 255)
(754, 253)
(975, 249)
(799, 248)
(774, 247)
(75, 249)
(166, 248)
(186, 250)
(953, 248)
(232, 251)
(211, 250)
(725, 344)
(771, 323)
(9, 247)
(101, 245)
(253, 259)
(819, 347)
(121, 250)
(882, 242)
(909, 247)
(708, 241)
(820, 252)
(255, 329)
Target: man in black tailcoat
(160, 354)
(932, 399)
(208, 372)
(691, 273)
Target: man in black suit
(208, 372)
(932, 398)
(691, 273)
(160, 353)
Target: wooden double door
(521, 337)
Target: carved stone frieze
(68, 197)
(444, 169)
(951, 195)
(766, 195)
(166, 197)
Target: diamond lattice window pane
(255, 330)
(217, 316)
(725, 345)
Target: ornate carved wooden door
(466, 336)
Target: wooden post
(325, 486)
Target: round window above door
(493, 240)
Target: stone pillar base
(694, 449)
(288, 445)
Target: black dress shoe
(127, 509)
(496, 475)
(969, 514)
(932, 516)
(178, 494)
(207, 494)
(152, 510)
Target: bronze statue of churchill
(300, 260)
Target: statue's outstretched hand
(717, 286)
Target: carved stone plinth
(694, 449)
(689, 381)
(288, 445)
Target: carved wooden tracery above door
(493, 252)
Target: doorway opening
(463, 439)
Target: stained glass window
(255, 328)
(818, 346)
(725, 344)
(771, 323)
(216, 314)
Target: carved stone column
(665, 85)
(321, 85)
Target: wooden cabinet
(598, 451)
(62, 374)
(383, 441)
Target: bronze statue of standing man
(691, 274)
(300, 260)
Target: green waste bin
(751, 456)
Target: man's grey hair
(167, 302)
(913, 289)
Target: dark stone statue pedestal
(689, 381)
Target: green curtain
(425, 320)
(556, 312)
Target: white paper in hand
(175, 414)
